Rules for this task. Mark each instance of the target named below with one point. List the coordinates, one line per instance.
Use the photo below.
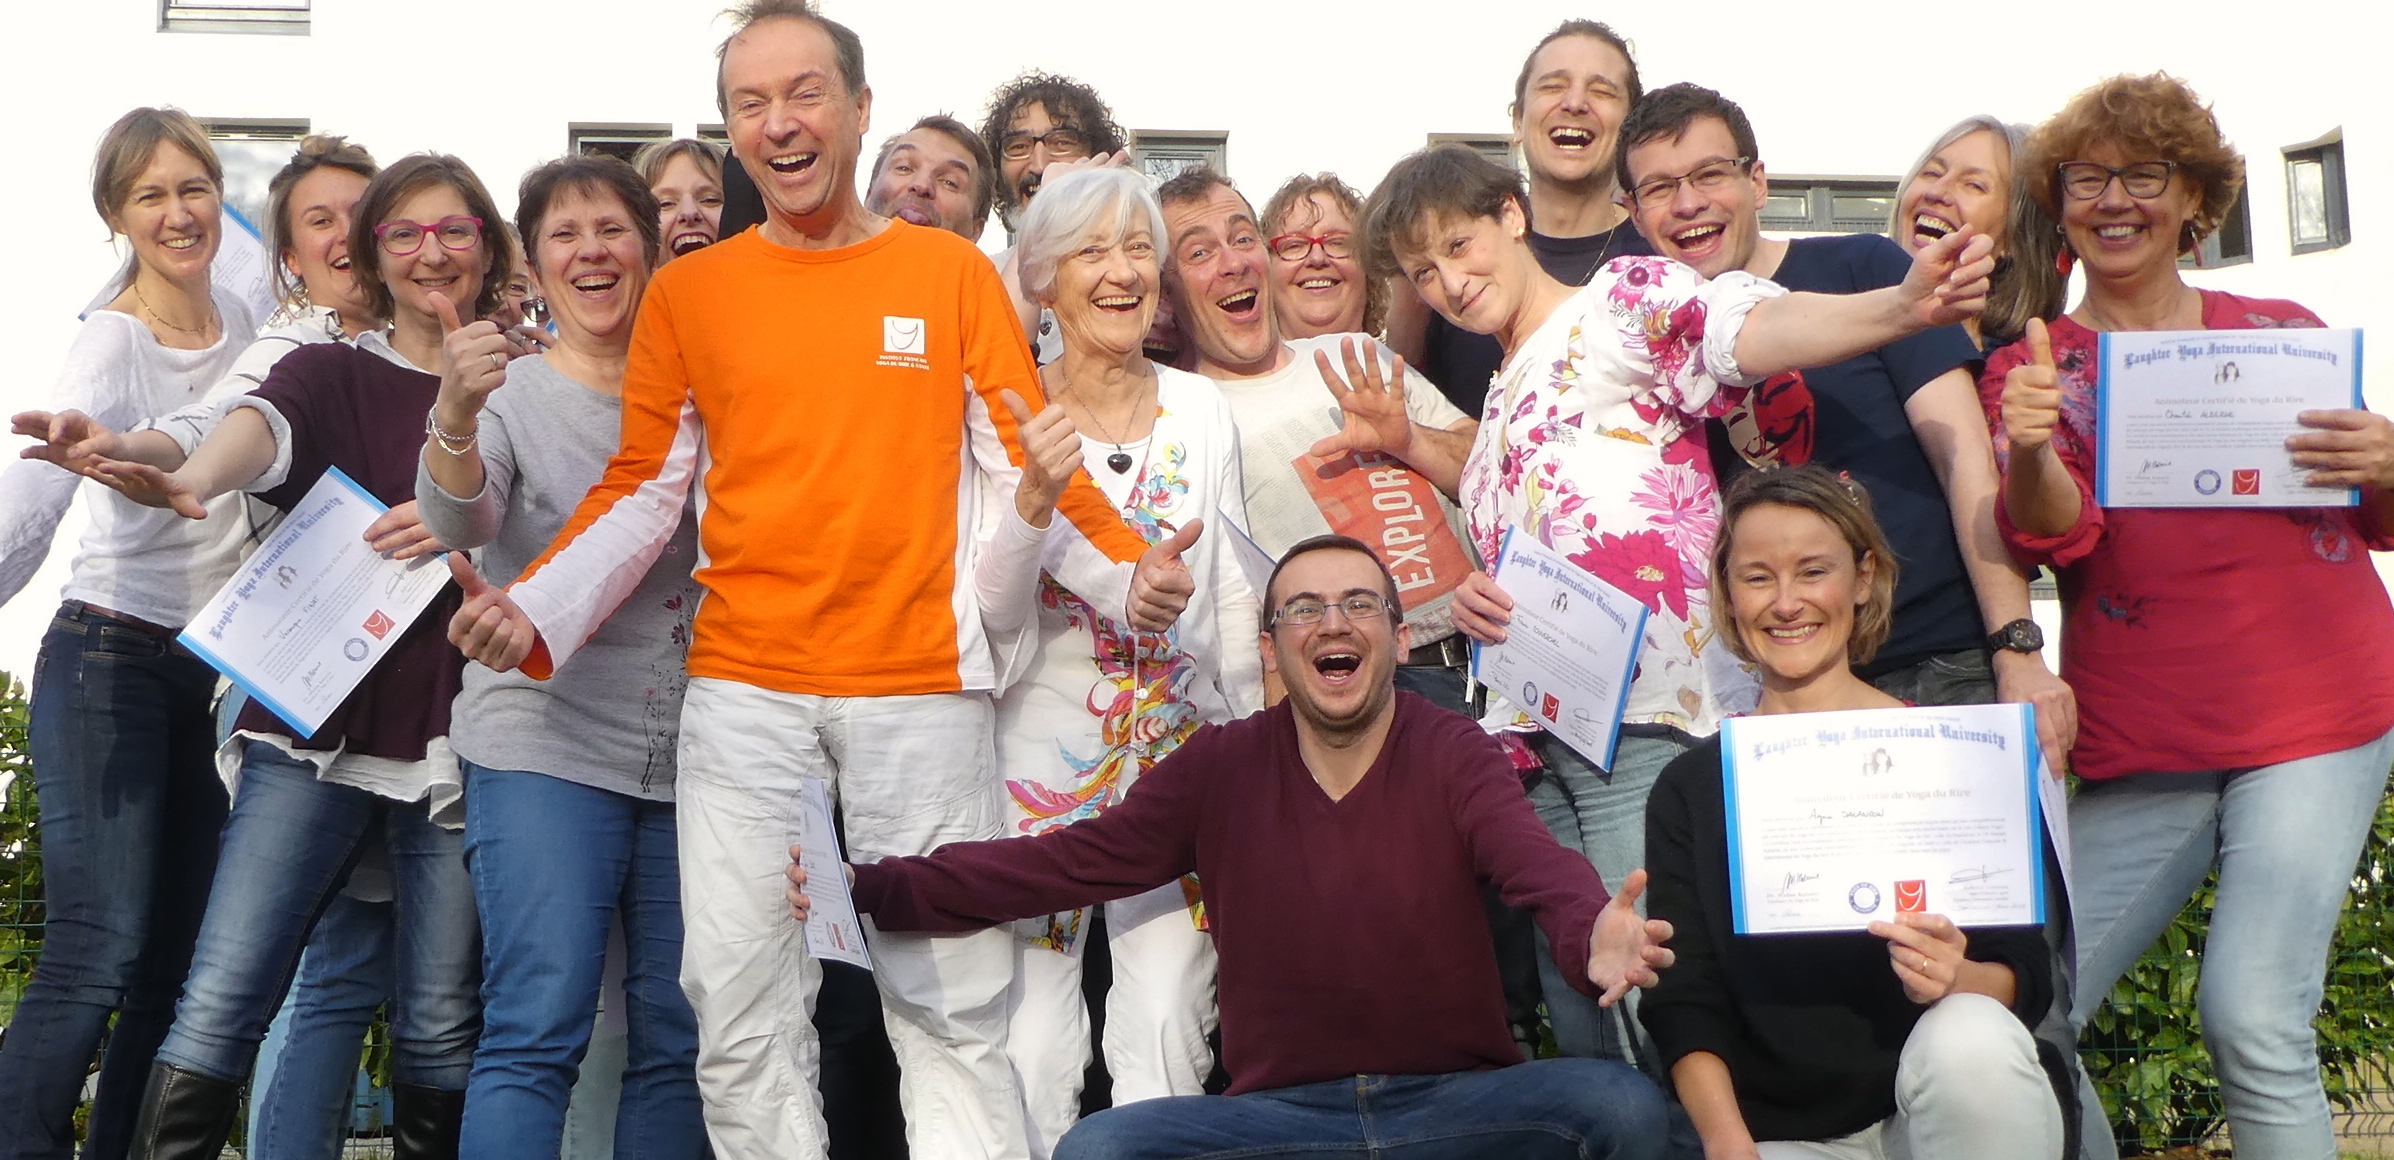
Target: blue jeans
(2285, 838)
(130, 810)
(310, 1085)
(1548, 1109)
(288, 847)
(554, 863)
(1603, 816)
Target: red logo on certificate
(2245, 481)
(1550, 707)
(1911, 897)
(380, 624)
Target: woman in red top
(2219, 725)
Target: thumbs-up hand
(489, 629)
(1161, 587)
(1051, 450)
(2032, 394)
(1625, 950)
(474, 358)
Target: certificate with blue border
(313, 609)
(1837, 820)
(1569, 652)
(2200, 418)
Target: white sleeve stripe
(582, 583)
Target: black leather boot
(424, 1122)
(185, 1115)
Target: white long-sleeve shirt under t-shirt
(143, 562)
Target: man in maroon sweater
(1341, 838)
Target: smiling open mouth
(596, 283)
(1118, 303)
(791, 163)
(1319, 283)
(1239, 303)
(1571, 137)
(1337, 664)
(1929, 227)
(694, 240)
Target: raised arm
(1947, 284)
(474, 358)
(1374, 401)
(241, 449)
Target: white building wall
(1347, 85)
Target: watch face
(2022, 636)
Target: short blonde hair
(129, 144)
(2156, 115)
(1842, 502)
(653, 157)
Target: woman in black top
(1909, 1041)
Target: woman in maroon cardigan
(2235, 689)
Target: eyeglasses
(1068, 142)
(2086, 181)
(1705, 178)
(1337, 247)
(1360, 606)
(401, 238)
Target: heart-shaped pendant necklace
(1120, 460)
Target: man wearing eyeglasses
(1217, 269)
(1903, 420)
(1341, 839)
(1036, 120)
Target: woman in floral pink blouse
(1592, 440)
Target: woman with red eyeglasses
(1318, 283)
(427, 247)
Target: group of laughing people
(830, 494)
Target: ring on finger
(497, 362)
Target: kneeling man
(1341, 838)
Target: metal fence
(2145, 1050)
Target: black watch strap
(2022, 636)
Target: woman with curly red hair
(2264, 759)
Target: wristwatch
(2022, 636)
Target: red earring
(2063, 261)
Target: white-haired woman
(1967, 178)
(1092, 704)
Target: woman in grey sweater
(569, 781)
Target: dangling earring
(2188, 239)
(2063, 260)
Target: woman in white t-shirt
(1088, 704)
(120, 731)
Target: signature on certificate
(1977, 874)
(1796, 878)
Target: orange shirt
(837, 413)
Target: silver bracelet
(453, 444)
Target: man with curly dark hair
(1037, 119)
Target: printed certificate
(1570, 651)
(2200, 418)
(832, 928)
(1837, 820)
(313, 609)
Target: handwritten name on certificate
(1570, 650)
(313, 609)
(832, 929)
(2199, 418)
(1837, 820)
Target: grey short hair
(1108, 203)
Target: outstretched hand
(490, 629)
(1949, 278)
(1051, 450)
(148, 486)
(1161, 587)
(1374, 403)
(69, 439)
(1625, 950)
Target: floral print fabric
(1593, 442)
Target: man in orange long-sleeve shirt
(829, 384)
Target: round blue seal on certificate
(1529, 694)
(2207, 481)
(1864, 898)
(354, 649)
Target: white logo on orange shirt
(901, 335)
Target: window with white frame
(2318, 216)
(618, 140)
(1804, 204)
(1166, 155)
(252, 150)
(285, 17)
